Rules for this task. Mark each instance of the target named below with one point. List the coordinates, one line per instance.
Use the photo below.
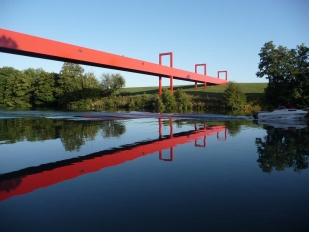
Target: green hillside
(250, 89)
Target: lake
(63, 172)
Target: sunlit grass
(250, 89)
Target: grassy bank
(251, 90)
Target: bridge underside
(28, 45)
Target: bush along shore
(231, 97)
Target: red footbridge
(32, 178)
(29, 45)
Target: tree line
(73, 134)
(71, 87)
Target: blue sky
(224, 34)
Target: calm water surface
(64, 173)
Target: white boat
(281, 113)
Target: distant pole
(160, 86)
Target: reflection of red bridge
(30, 179)
(28, 45)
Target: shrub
(168, 99)
(158, 104)
(234, 98)
(182, 100)
(131, 104)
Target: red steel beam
(28, 45)
(47, 178)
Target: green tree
(32, 73)
(90, 89)
(90, 81)
(44, 89)
(287, 71)
(69, 83)
(18, 89)
(234, 98)
(110, 83)
(5, 72)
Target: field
(252, 90)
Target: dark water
(64, 173)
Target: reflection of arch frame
(220, 138)
(198, 145)
(171, 155)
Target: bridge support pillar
(171, 84)
(160, 86)
(205, 85)
(195, 86)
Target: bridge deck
(28, 45)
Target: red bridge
(28, 45)
(29, 179)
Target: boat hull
(281, 114)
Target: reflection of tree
(233, 126)
(282, 149)
(73, 134)
(29, 129)
(112, 128)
